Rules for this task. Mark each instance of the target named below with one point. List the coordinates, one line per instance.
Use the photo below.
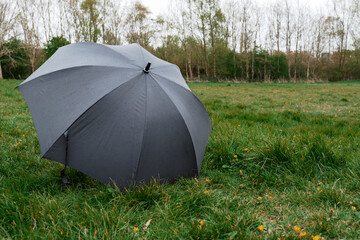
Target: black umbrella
(117, 113)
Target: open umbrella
(117, 113)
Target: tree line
(208, 39)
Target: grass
(297, 164)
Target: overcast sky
(158, 7)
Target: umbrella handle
(64, 178)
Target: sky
(158, 7)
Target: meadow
(282, 162)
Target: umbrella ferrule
(146, 69)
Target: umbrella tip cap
(146, 69)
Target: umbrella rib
(122, 54)
(166, 65)
(168, 80)
(192, 141)
(142, 54)
(69, 68)
(45, 152)
(143, 138)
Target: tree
(90, 20)
(202, 27)
(181, 20)
(288, 34)
(28, 23)
(216, 19)
(231, 13)
(54, 44)
(8, 19)
(245, 33)
(138, 25)
(16, 61)
(113, 26)
(275, 20)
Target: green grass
(297, 164)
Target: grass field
(282, 162)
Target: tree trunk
(246, 64)
(265, 73)
(234, 63)
(214, 59)
(204, 47)
(278, 26)
(189, 65)
(252, 65)
(289, 68)
(295, 65)
(308, 68)
(253, 61)
(296, 54)
(1, 75)
(198, 71)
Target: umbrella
(117, 113)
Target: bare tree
(344, 18)
(202, 26)
(113, 27)
(288, 34)
(139, 29)
(256, 32)
(8, 18)
(45, 7)
(28, 22)
(299, 29)
(245, 33)
(70, 19)
(354, 31)
(215, 18)
(181, 19)
(275, 20)
(231, 12)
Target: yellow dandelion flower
(235, 156)
(23, 135)
(261, 228)
(201, 223)
(297, 229)
(317, 237)
(259, 198)
(207, 180)
(241, 172)
(334, 116)
(20, 140)
(353, 208)
(251, 198)
(246, 149)
(302, 234)
(136, 229)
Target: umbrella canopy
(106, 112)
